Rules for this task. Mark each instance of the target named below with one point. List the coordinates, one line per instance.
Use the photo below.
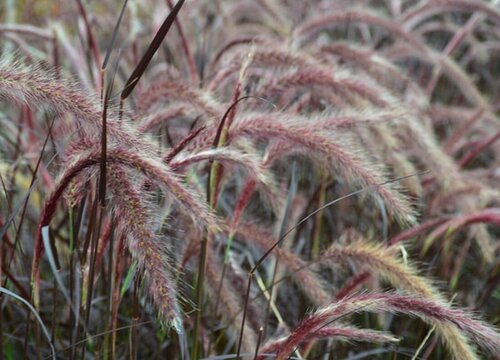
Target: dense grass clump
(250, 179)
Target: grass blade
(148, 55)
(109, 49)
(38, 318)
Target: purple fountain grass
(467, 202)
(353, 166)
(479, 148)
(394, 102)
(347, 88)
(416, 230)
(450, 69)
(420, 12)
(378, 68)
(244, 40)
(162, 117)
(133, 220)
(158, 172)
(382, 261)
(452, 143)
(458, 37)
(379, 260)
(149, 167)
(182, 144)
(343, 333)
(27, 30)
(369, 61)
(436, 155)
(32, 85)
(363, 118)
(416, 47)
(175, 90)
(430, 311)
(155, 170)
(320, 23)
(487, 216)
(37, 87)
(349, 333)
(242, 202)
(352, 285)
(250, 163)
(262, 58)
